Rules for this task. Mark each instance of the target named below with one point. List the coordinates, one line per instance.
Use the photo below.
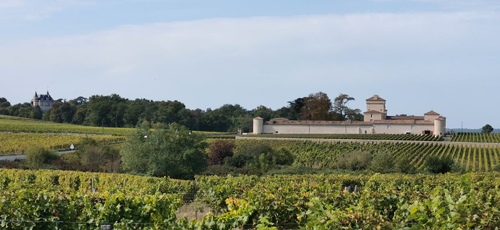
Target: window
(388, 126)
(371, 115)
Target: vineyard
(16, 125)
(25, 125)
(476, 137)
(67, 200)
(17, 143)
(402, 137)
(472, 158)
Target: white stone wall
(401, 129)
(347, 129)
(317, 129)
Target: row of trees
(115, 111)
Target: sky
(419, 55)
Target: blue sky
(419, 55)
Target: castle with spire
(44, 101)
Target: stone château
(43, 101)
(376, 121)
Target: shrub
(436, 165)
(238, 160)
(383, 162)
(100, 158)
(255, 150)
(219, 151)
(37, 156)
(249, 154)
(223, 170)
(403, 165)
(458, 168)
(356, 160)
(496, 168)
(284, 157)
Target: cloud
(11, 3)
(206, 63)
(12, 11)
(468, 5)
(260, 40)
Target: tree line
(116, 111)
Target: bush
(166, 150)
(356, 160)
(496, 168)
(255, 150)
(238, 160)
(224, 170)
(436, 165)
(37, 156)
(249, 154)
(403, 165)
(458, 168)
(219, 151)
(100, 158)
(383, 162)
(284, 157)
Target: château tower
(43, 101)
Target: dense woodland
(116, 111)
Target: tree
(344, 112)
(36, 113)
(487, 129)
(219, 151)
(264, 112)
(62, 112)
(296, 108)
(166, 150)
(316, 107)
(4, 106)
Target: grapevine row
(324, 154)
(51, 199)
(476, 137)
